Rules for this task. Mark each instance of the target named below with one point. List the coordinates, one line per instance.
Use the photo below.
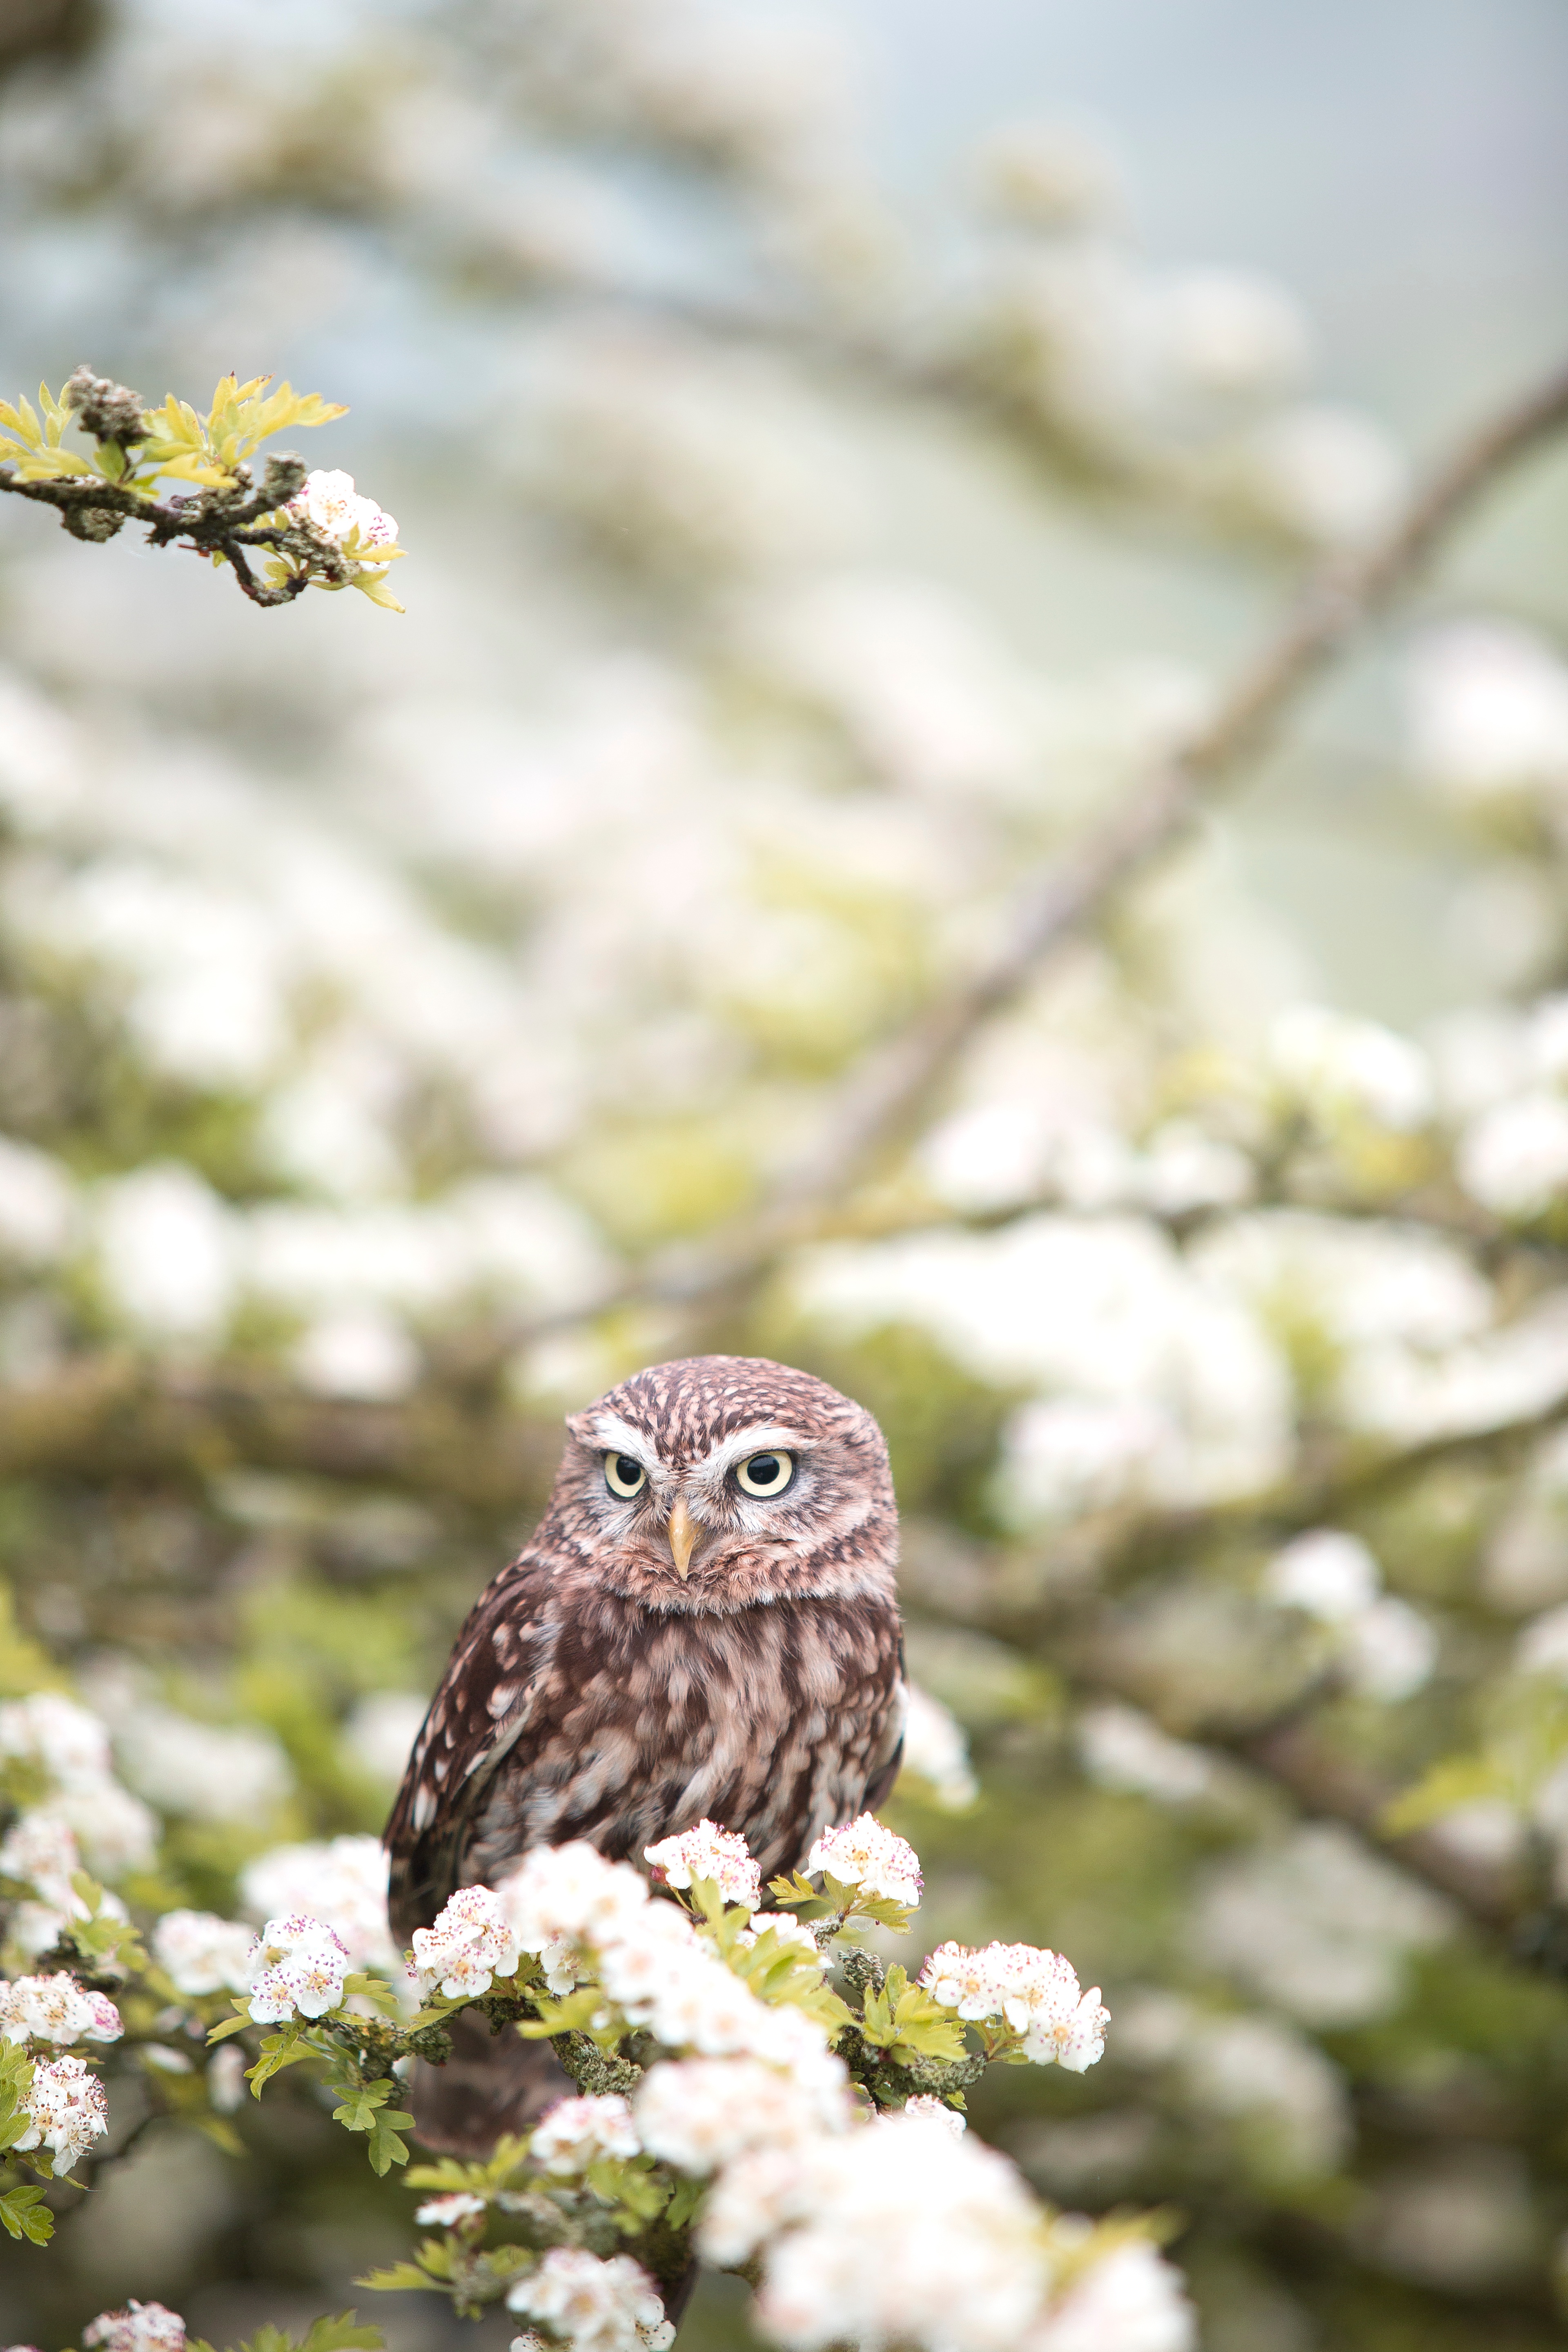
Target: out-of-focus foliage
(368, 1009)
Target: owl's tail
(491, 2084)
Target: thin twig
(883, 1096)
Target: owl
(704, 1625)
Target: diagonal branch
(882, 1098)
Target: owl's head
(718, 1482)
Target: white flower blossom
(701, 2112)
(471, 1943)
(937, 1752)
(57, 2009)
(1487, 709)
(1122, 1749)
(344, 515)
(1035, 1992)
(226, 2079)
(37, 1207)
(67, 2109)
(924, 2108)
(903, 2233)
(597, 2307)
(712, 1853)
(448, 2213)
(202, 1953)
(115, 1831)
(40, 1850)
(1514, 1158)
(866, 1854)
(341, 1880)
(574, 2132)
(1131, 2300)
(1326, 1574)
(68, 1741)
(140, 2328)
(298, 1967)
(1338, 1065)
(567, 1892)
(201, 1772)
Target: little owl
(703, 1625)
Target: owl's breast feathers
(573, 1711)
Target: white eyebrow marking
(730, 1450)
(618, 1436)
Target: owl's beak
(683, 1532)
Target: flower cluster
(67, 2111)
(866, 1855)
(88, 1815)
(140, 2328)
(598, 2307)
(298, 1966)
(342, 1881)
(332, 505)
(470, 1945)
(712, 1853)
(575, 2133)
(57, 2009)
(1034, 1992)
(201, 1953)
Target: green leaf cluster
(903, 2021)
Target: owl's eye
(624, 1475)
(765, 1474)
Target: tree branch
(883, 1096)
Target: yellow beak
(683, 1532)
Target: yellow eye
(624, 1475)
(765, 1474)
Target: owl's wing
(489, 1700)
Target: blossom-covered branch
(885, 1094)
(314, 528)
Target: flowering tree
(740, 942)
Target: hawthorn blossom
(298, 1966)
(701, 2112)
(570, 1892)
(903, 2233)
(40, 1850)
(924, 2108)
(202, 1953)
(140, 2328)
(449, 2212)
(68, 1741)
(966, 1979)
(57, 2009)
(712, 1853)
(599, 2307)
(339, 1879)
(330, 502)
(575, 2133)
(67, 2111)
(1132, 2298)
(1035, 1993)
(470, 1945)
(226, 2079)
(864, 1854)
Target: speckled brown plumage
(596, 1693)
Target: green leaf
(230, 2025)
(904, 2020)
(683, 2202)
(630, 2185)
(400, 2276)
(278, 2051)
(574, 2015)
(339, 2334)
(24, 2214)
